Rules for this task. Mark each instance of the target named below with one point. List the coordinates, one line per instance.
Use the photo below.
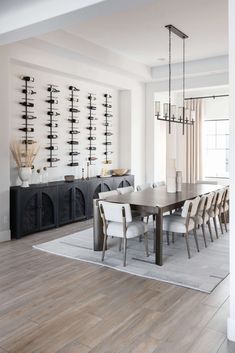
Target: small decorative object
(171, 176)
(24, 160)
(69, 178)
(83, 177)
(179, 181)
(120, 172)
(88, 171)
(105, 171)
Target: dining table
(154, 201)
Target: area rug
(203, 272)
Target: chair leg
(187, 244)
(204, 234)
(195, 237)
(124, 256)
(146, 244)
(220, 223)
(173, 237)
(209, 227)
(225, 222)
(215, 225)
(104, 246)
(120, 244)
(168, 238)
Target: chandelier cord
(183, 84)
(169, 109)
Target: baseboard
(5, 235)
(231, 329)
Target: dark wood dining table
(157, 201)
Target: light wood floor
(50, 304)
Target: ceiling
(139, 33)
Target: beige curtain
(194, 142)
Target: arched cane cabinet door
(48, 211)
(29, 213)
(65, 204)
(96, 192)
(106, 187)
(80, 208)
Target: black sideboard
(45, 206)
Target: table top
(160, 198)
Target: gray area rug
(203, 272)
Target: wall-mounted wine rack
(108, 133)
(73, 125)
(27, 103)
(52, 125)
(91, 127)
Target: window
(216, 148)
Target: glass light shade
(157, 108)
(165, 109)
(173, 111)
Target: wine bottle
(53, 159)
(28, 91)
(28, 142)
(106, 95)
(52, 148)
(72, 88)
(91, 138)
(91, 148)
(92, 107)
(74, 132)
(52, 101)
(107, 105)
(73, 164)
(74, 110)
(92, 98)
(108, 115)
(27, 129)
(53, 136)
(75, 121)
(74, 99)
(108, 133)
(92, 118)
(27, 78)
(53, 113)
(108, 152)
(52, 124)
(30, 117)
(27, 104)
(107, 124)
(53, 89)
(73, 142)
(91, 127)
(92, 158)
(74, 153)
(108, 143)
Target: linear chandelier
(170, 112)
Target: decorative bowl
(69, 178)
(120, 172)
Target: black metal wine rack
(91, 127)
(108, 115)
(27, 103)
(52, 125)
(73, 125)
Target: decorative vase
(178, 181)
(25, 174)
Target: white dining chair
(201, 218)
(143, 187)
(225, 208)
(208, 206)
(215, 211)
(103, 195)
(157, 184)
(118, 222)
(183, 223)
(125, 190)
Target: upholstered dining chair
(125, 190)
(225, 208)
(215, 211)
(157, 184)
(183, 223)
(143, 187)
(103, 195)
(202, 217)
(118, 222)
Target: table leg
(98, 236)
(158, 238)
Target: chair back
(194, 204)
(125, 190)
(158, 183)
(143, 187)
(202, 203)
(219, 196)
(105, 194)
(113, 212)
(210, 198)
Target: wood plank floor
(50, 304)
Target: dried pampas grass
(23, 157)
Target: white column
(231, 319)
